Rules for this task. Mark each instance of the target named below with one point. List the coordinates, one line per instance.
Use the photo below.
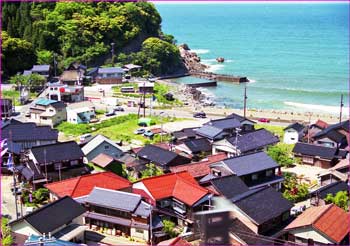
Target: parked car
(148, 133)
(110, 113)
(200, 115)
(264, 120)
(27, 114)
(140, 131)
(119, 108)
(85, 137)
(94, 120)
(100, 90)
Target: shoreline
(278, 115)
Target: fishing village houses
(175, 189)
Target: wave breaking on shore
(318, 108)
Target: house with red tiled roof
(326, 224)
(82, 186)
(177, 241)
(199, 169)
(176, 195)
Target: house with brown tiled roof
(83, 185)
(199, 169)
(326, 224)
(177, 195)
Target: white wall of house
(72, 115)
(309, 232)
(291, 136)
(23, 227)
(139, 233)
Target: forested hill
(78, 31)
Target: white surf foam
(215, 68)
(200, 51)
(319, 108)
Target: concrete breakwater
(203, 84)
(220, 77)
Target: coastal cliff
(191, 60)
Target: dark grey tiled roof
(229, 186)
(225, 123)
(331, 131)
(332, 188)
(40, 68)
(247, 235)
(28, 132)
(253, 140)
(158, 155)
(296, 126)
(143, 209)
(54, 215)
(207, 131)
(198, 145)
(57, 152)
(316, 150)
(110, 70)
(114, 199)
(262, 205)
(185, 133)
(250, 163)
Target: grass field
(117, 128)
(278, 130)
(12, 94)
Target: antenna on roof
(341, 107)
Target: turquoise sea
(297, 55)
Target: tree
(17, 55)
(169, 227)
(341, 199)
(6, 238)
(32, 80)
(40, 195)
(282, 154)
(151, 170)
(294, 191)
(44, 57)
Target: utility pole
(245, 99)
(55, 63)
(144, 99)
(341, 107)
(236, 140)
(45, 165)
(10, 161)
(112, 51)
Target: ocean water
(297, 55)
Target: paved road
(7, 199)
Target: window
(254, 177)
(106, 147)
(51, 110)
(44, 118)
(307, 159)
(58, 166)
(269, 173)
(74, 163)
(139, 231)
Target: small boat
(220, 59)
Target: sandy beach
(182, 92)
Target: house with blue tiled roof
(48, 112)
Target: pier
(220, 77)
(202, 84)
